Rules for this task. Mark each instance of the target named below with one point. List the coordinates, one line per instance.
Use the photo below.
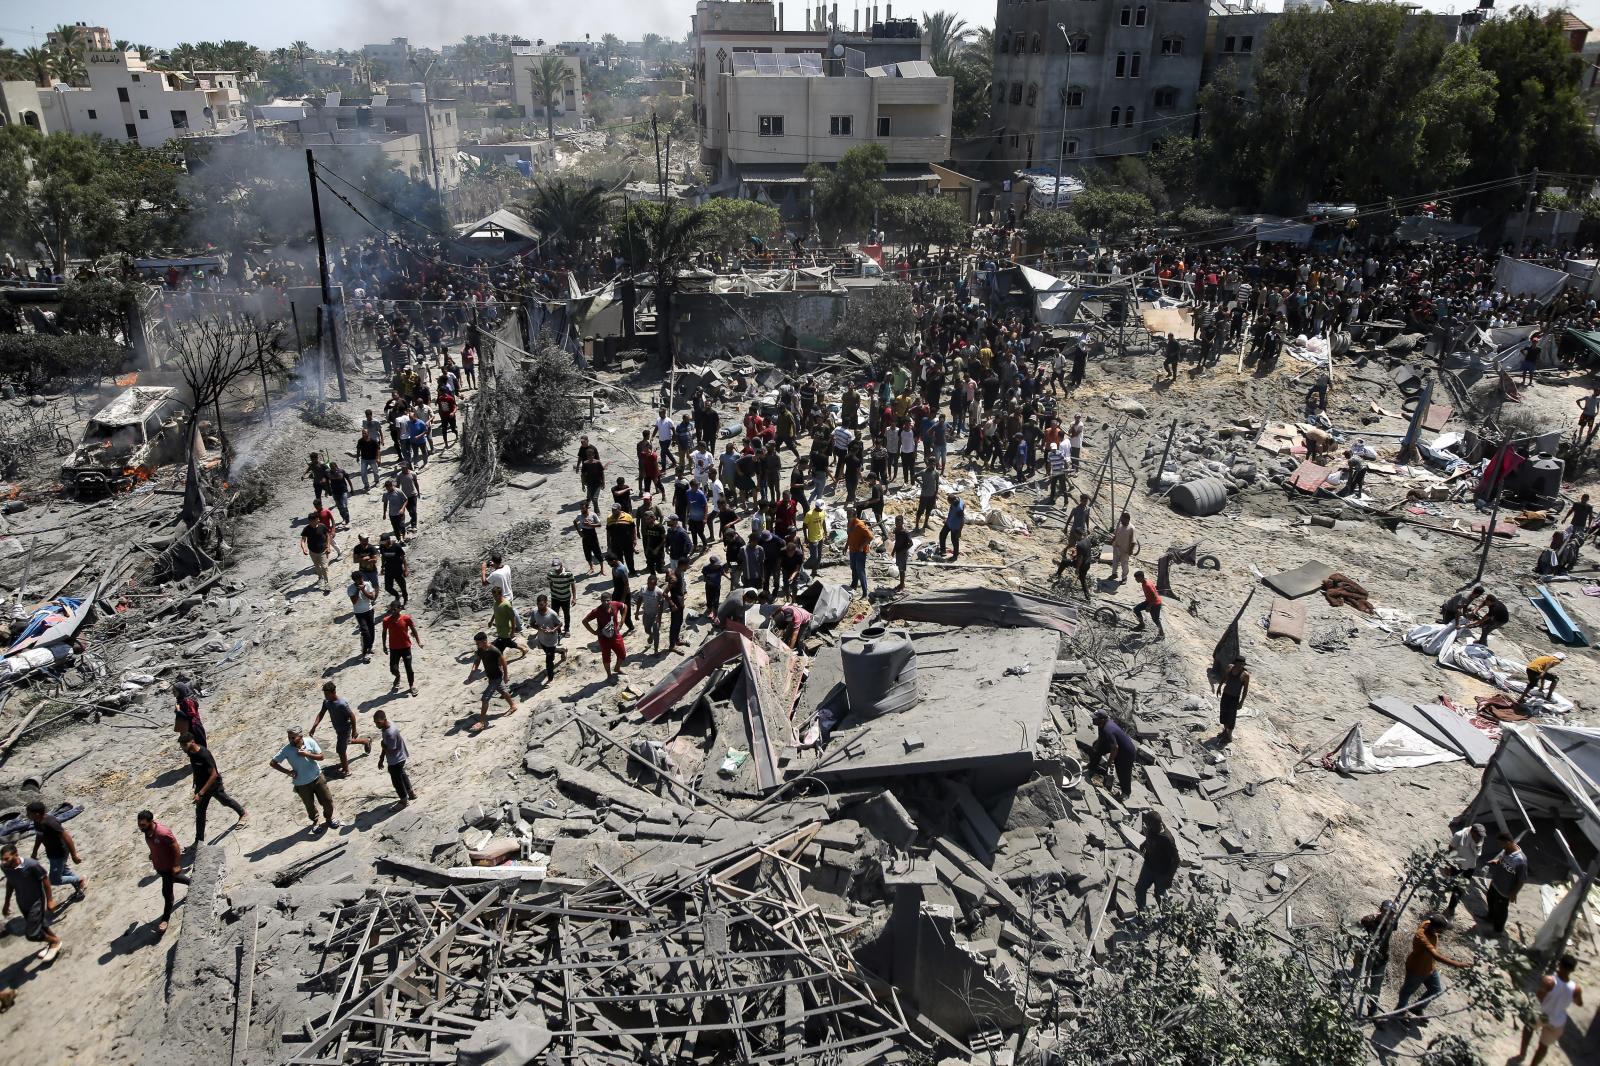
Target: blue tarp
(52, 613)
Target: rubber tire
(1105, 616)
(1208, 562)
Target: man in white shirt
(1466, 855)
(499, 577)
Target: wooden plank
(245, 991)
(1468, 738)
(1404, 712)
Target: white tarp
(1518, 277)
(1400, 747)
(1441, 641)
(1538, 770)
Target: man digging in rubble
(1113, 741)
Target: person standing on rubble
(858, 541)
(1160, 851)
(29, 883)
(955, 520)
(607, 622)
(59, 848)
(548, 630)
(1112, 741)
(676, 594)
(398, 632)
(208, 787)
(1508, 872)
(588, 526)
(1233, 687)
(711, 576)
(1151, 603)
(1422, 965)
(393, 756)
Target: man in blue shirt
(303, 757)
(1113, 741)
(954, 520)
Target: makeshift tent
(1541, 773)
(1518, 277)
(1420, 229)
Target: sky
(352, 23)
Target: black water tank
(880, 672)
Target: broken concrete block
(912, 743)
(1280, 871)
(887, 820)
(1231, 843)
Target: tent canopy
(1548, 771)
(501, 224)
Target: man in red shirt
(1152, 603)
(166, 855)
(606, 622)
(398, 632)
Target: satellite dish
(838, 51)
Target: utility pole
(427, 123)
(322, 267)
(1066, 92)
(1527, 210)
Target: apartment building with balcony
(125, 100)
(569, 109)
(770, 102)
(1092, 79)
(421, 136)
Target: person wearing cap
(1113, 741)
(1422, 965)
(1541, 676)
(562, 586)
(301, 759)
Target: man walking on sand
(29, 882)
(606, 622)
(167, 859)
(208, 787)
(398, 633)
(1508, 872)
(392, 750)
(344, 723)
(1233, 687)
(304, 768)
(1558, 994)
(315, 540)
(1151, 603)
(58, 848)
(1422, 965)
(497, 678)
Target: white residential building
(127, 101)
(770, 102)
(569, 112)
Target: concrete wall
(1160, 87)
(19, 104)
(707, 323)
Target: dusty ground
(1303, 699)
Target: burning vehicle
(126, 440)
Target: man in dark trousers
(392, 751)
(1160, 853)
(29, 883)
(1113, 741)
(167, 858)
(1233, 687)
(1508, 872)
(208, 787)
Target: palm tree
(980, 45)
(121, 45)
(280, 56)
(548, 82)
(146, 52)
(69, 66)
(11, 66)
(571, 211)
(39, 64)
(300, 49)
(184, 57)
(69, 38)
(946, 34)
(610, 47)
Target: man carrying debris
(208, 787)
(49, 833)
(1558, 994)
(398, 632)
(1113, 741)
(606, 622)
(1491, 616)
(167, 859)
(29, 883)
(1508, 872)
(1160, 853)
(392, 751)
(304, 758)
(497, 678)
(344, 723)
(1233, 687)
(1422, 965)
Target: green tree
(880, 315)
(947, 33)
(548, 79)
(973, 73)
(924, 221)
(1111, 212)
(1359, 102)
(846, 195)
(1538, 117)
(569, 210)
(729, 223)
(1173, 163)
(1047, 228)
(38, 64)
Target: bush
(33, 359)
(99, 307)
(1049, 228)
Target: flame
(137, 473)
(15, 491)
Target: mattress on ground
(1301, 581)
(1287, 619)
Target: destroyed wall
(708, 323)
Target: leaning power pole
(331, 326)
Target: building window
(1078, 42)
(842, 126)
(1129, 120)
(1038, 43)
(143, 113)
(883, 125)
(1072, 96)
(92, 113)
(1172, 46)
(1069, 147)
(772, 125)
(1228, 44)
(1125, 18)
(1122, 64)
(133, 134)
(1247, 43)
(447, 119)
(136, 77)
(1016, 92)
(1133, 67)
(1033, 95)
(1018, 42)
(122, 93)
(1167, 97)
(1116, 116)
(1000, 93)
(1005, 44)
(1139, 16)
(180, 120)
